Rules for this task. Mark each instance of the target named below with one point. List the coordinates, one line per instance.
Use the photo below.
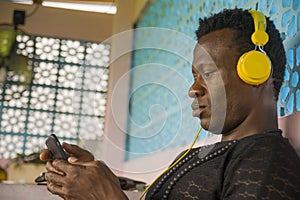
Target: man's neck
(262, 119)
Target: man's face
(222, 100)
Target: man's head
(223, 101)
(241, 22)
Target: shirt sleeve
(262, 169)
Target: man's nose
(196, 91)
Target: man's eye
(208, 74)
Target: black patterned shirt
(261, 166)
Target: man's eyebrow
(202, 66)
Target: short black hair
(241, 22)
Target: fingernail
(72, 159)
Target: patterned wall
(66, 95)
(160, 114)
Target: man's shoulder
(266, 162)
(266, 139)
(273, 146)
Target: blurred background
(114, 82)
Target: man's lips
(197, 109)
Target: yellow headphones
(254, 67)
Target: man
(252, 161)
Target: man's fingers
(54, 178)
(45, 155)
(60, 165)
(51, 168)
(77, 152)
(71, 148)
(68, 147)
(54, 189)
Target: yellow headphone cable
(171, 166)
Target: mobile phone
(56, 152)
(55, 148)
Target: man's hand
(88, 180)
(75, 153)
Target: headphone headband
(259, 37)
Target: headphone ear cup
(254, 67)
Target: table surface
(38, 192)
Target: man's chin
(214, 129)
(204, 124)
